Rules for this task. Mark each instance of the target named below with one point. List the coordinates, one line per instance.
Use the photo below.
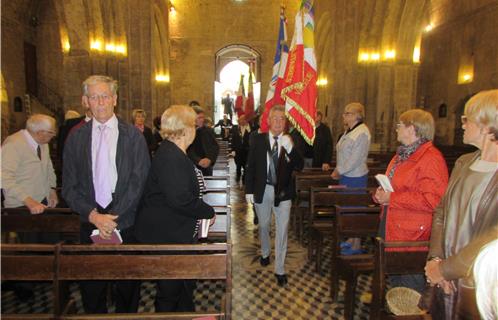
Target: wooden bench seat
(62, 263)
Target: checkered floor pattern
(255, 293)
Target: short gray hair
(277, 107)
(91, 80)
(421, 120)
(38, 122)
(357, 108)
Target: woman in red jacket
(418, 175)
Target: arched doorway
(231, 62)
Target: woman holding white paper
(172, 204)
(419, 176)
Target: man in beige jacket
(28, 177)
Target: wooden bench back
(51, 220)
(324, 200)
(356, 221)
(305, 182)
(33, 262)
(394, 263)
(90, 262)
(60, 263)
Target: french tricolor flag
(273, 97)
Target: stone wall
(464, 39)
(200, 28)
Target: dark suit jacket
(240, 144)
(171, 205)
(256, 170)
(149, 139)
(204, 146)
(64, 131)
(322, 147)
(132, 162)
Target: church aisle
(255, 292)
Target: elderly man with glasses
(28, 180)
(27, 171)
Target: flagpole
(302, 28)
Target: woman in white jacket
(352, 148)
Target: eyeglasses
(97, 97)
(464, 119)
(347, 113)
(51, 132)
(399, 125)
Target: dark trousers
(240, 163)
(206, 171)
(175, 296)
(126, 293)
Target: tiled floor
(255, 292)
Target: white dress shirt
(112, 125)
(272, 142)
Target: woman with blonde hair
(172, 202)
(139, 116)
(467, 217)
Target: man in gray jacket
(106, 163)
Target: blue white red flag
(273, 97)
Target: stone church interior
(388, 212)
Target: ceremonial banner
(241, 96)
(273, 96)
(249, 105)
(300, 76)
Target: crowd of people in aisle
(148, 183)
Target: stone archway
(235, 58)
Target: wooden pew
(31, 262)
(303, 183)
(52, 220)
(62, 263)
(322, 210)
(351, 222)
(394, 262)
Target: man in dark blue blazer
(106, 162)
(269, 185)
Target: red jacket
(419, 183)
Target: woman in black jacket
(172, 203)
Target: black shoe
(264, 261)
(281, 279)
(255, 220)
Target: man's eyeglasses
(97, 97)
(399, 125)
(51, 132)
(464, 119)
(347, 113)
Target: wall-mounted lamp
(162, 77)
(416, 55)
(322, 82)
(66, 46)
(389, 54)
(428, 28)
(96, 45)
(465, 78)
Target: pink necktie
(101, 180)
